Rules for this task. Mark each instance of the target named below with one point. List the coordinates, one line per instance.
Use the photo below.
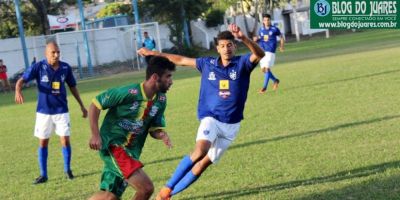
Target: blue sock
(66, 151)
(273, 78)
(266, 80)
(42, 153)
(184, 182)
(184, 166)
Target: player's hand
(166, 140)
(95, 142)
(145, 52)
(84, 112)
(19, 98)
(235, 30)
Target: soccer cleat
(69, 175)
(276, 83)
(262, 91)
(164, 194)
(40, 179)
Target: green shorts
(118, 166)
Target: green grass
(331, 131)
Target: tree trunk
(41, 10)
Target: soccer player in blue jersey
(223, 92)
(267, 39)
(148, 42)
(51, 74)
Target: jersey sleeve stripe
(97, 103)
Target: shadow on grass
(342, 80)
(301, 134)
(316, 132)
(340, 176)
(386, 189)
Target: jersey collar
(144, 94)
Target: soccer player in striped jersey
(134, 111)
(225, 82)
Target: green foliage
(214, 18)
(115, 9)
(8, 22)
(331, 131)
(170, 12)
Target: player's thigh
(268, 60)
(44, 126)
(207, 129)
(62, 124)
(140, 181)
(227, 133)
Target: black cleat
(40, 179)
(69, 175)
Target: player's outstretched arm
(162, 135)
(176, 59)
(19, 98)
(282, 44)
(75, 92)
(256, 52)
(95, 140)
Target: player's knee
(147, 189)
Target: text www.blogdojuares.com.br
(357, 24)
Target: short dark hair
(224, 35)
(1, 60)
(158, 65)
(267, 16)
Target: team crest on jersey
(133, 91)
(232, 75)
(45, 78)
(161, 98)
(211, 76)
(134, 106)
(206, 132)
(154, 110)
(212, 61)
(62, 78)
(270, 32)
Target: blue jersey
(268, 38)
(223, 90)
(52, 98)
(149, 43)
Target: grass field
(331, 131)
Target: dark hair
(1, 60)
(224, 35)
(158, 65)
(267, 16)
(145, 32)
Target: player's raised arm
(176, 59)
(256, 52)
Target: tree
(166, 12)
(8, 22)
(115, 9)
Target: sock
(184, 166)
(42, 153)
(184, 182)
(266, 80)
(66, 151)
(271, 76)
